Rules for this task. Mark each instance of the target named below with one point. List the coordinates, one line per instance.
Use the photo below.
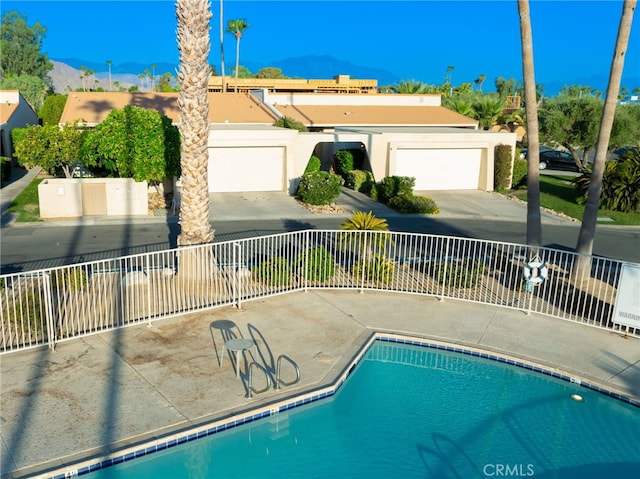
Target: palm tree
(153, 77)
(590, 216)
(109, 63)
(534, 225)
(236, 27)
(410, 87)
(450, 69)
(194, 44)
(487, 109)
(224, 80)
(479, 81)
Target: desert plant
(313, 165)
(377, 268)
(361, 221)
(317, 264)
(465, 273)
(319, 188)
(414, 204)
(359, 180)
(273, 272)
(72, 279)
(290, 123)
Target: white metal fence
(53, 305)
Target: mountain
(67, 71)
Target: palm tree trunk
(590, 217)
(237, 59)
(193, 76)
(534, 226)
(224, 80)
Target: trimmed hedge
(502, 167)
(273, 272)
(391, 186)
(313, 165)
(359, 180)
(519, 173)
(319, 188)
(317, 264)
(413, 204)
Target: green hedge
(319, 188)
(313, 165)
(391, 186)
(519, 173)
(317, 264)
(359, 180)
(273, 272)
(502, 167)
(413, 204)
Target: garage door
(441, 169)
(246, 169)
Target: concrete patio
(111, 390)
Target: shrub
(73, 279)
(273, 272)
(27, 304)
(319, 188)
(502, 167)
(413, 204)
(391, 186)
(519, 173)
(460, 274)
(317, 264)
(343, 162)
(359, 180)
(378, 268)
(290, 123)
(313, 165)
(5, 168)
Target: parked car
(557, 160)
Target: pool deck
(129, 386)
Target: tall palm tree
(236, 27)
(109, 63)
(534, 224)
(194, 44)
(450, 69)
(224, 80)
(588, 228)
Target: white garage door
(246, 169)
(441, 169)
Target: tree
(411, 87)
(487, 109)
(236, 28)
(449, 77)
(479, 81)
(52, 108)
(134, 142)
(193, 77)
(534, 225)
(109, 63)
(31, 88)
(21, 46)
(505, 87)
(224, 79)
(49, 147)
(270, 72)
(587, 233)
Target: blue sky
(412, 39)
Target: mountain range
(67, 73)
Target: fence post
(48, 310)
(446, 268)
(238, 273)
(305, 276)
(148, 290)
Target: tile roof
(366, 115)
(6, 110)
(93, 107)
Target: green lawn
(26, 204)
(557, 194)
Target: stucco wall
(63, 198)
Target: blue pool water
(410, 411)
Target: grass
(557, 194)
(26, 204)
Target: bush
(290, 123)
(273, 272)
(379, 269)
(502, 167)
(391, 186)
(343, 162)
(413, 204)
(460, 274)
(26, 303)
(317, 264)
(319, 188)
(313, 165)
(359, 180)
(519, 173)
(5, 168)
(73, 279)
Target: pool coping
(166, 438)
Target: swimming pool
(411, 411)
